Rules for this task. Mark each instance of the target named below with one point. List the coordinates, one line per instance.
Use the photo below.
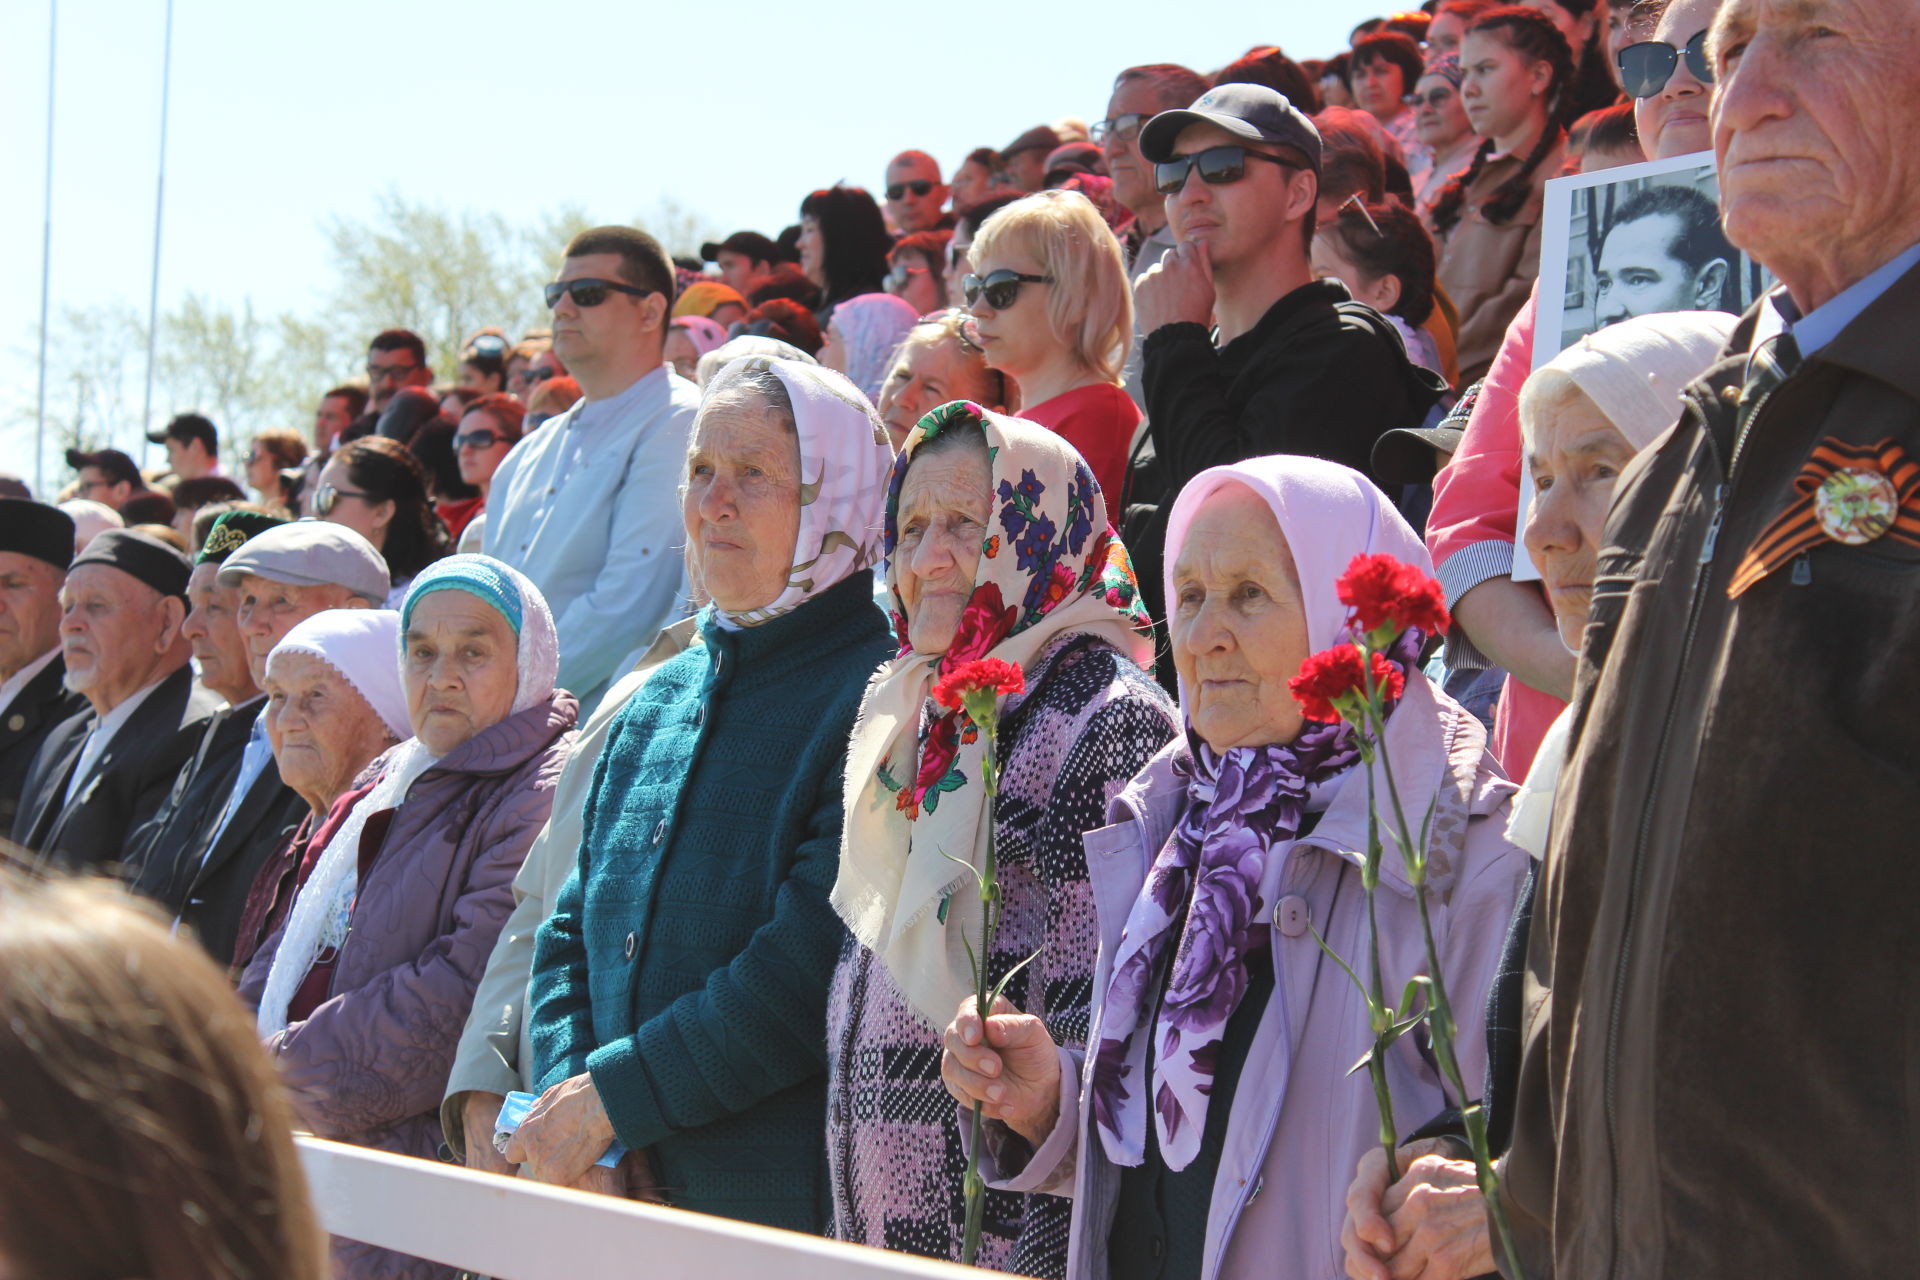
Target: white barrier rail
(514, 1229)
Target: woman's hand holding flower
(1009, 1065)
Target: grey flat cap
(310, 553)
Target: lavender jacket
(436, 883)
(1299, 1122)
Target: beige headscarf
(1050, 566)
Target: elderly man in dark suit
(1721, 1054)
(104, 771)
(36, 546)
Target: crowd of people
(558, 764)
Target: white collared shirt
(102, 733)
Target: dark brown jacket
(1725, 1077)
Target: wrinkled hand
(1015, 1075)
(1177, 289)
(564, 1133)
(479, 1111)
(1431, 1224)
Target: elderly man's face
(1237, 623)
(922, 194)
(321, 730)
(1132, 175)
(1575, 453)
(742, 501)
(29, 609)
(1813, 115)
(213, 633)
(114, 632)
(1639, 275)
(265, 610)
(946, 500)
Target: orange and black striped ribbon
(1798, 528)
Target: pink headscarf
(706, 334)
(871, 328)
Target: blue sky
(285, 113)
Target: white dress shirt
(102, 733)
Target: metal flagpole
(159, 203)
(46, 265)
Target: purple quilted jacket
(370, 1064)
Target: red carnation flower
(1334, 678)
(982, 674)
(1383, 591)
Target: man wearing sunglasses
(1717, 1079)
(1246, 353)
(396, 358)
(916, 198)
(586, 505)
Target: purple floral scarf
(1201, 905)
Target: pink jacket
(1299, 1122)
(1473, 527)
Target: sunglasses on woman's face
(900, 274)
(326, 497)
(1218, 166)
(588, 291)
(1646, 67)
(919, 187)
(1000, 287)
(482, 439)
(1431, 98)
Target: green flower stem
(986, 717)
(1381, 1017)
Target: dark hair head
(147, 507)
(1613, 128)
(1339, 65)
(643, 263)
(789, 282)
(1266, 65)
(1698, 238)
(283, 444)
(432, 445)
(400, 340)
(854, 232)
(985, 157)
(787, 321)
(186, 427)
(1351, 161)
(410, 409)
(191, 495)
(356, 398)
(147, 1134)
(1387, 239)
(1173, 86)
(932, 248)
(508, 414)
(384, 470)
(1391, 46)
(1531, 34)
(970, 218)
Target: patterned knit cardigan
(1089, 721)
(687, 961)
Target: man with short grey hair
(1718, 1070)
(916, 198)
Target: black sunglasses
(377, 372)
(919, 187)
(1121, 128)
(1646, 67)
(325, 497)
(1431, 98)
(589, 292)
(1217, 165)
(482, 439)
(1000, 287)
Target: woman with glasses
(1517, 76)
(488, 431)
(843, 246)
(959, 262)
(916, 271)
(1671, 80)
(483, 365)
(1441, 127)
(1052, 310)
(379, 490)
(273, 451)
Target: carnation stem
(974, 1188)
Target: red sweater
(1099, 421)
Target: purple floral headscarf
(1182, 963)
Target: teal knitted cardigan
(687, 962)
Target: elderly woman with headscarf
(363, 991)
(747, 344)
(1209, 1128)
(689, 338)
(679, 990)
(998, 547)
(1583, 417)
(862, 337)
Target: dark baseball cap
(1249, 111)
(112, 463)
(188, 426)
(748, 244)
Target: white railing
(513, 1229)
